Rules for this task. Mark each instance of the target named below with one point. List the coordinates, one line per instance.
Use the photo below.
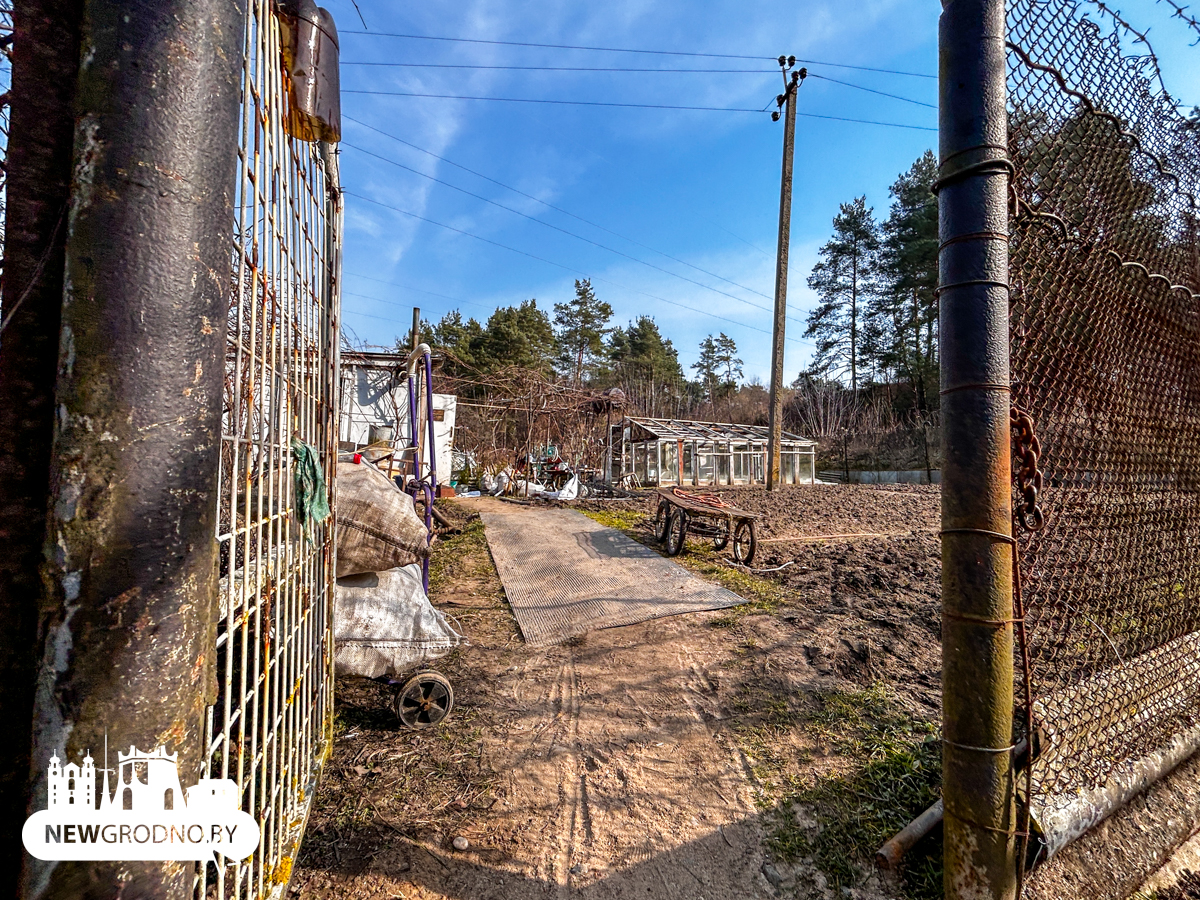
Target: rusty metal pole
(775, 419)
(127, 631)
(977, 590)
(45, 66)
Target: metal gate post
(37, 188)
(977, 603)
(127, 633)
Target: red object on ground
(357, 458)
(444, 490)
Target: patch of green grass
(895, 775)
(763, 594)
(622, 519)
(449, 552)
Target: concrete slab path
(565, 574)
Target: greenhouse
(675, 451)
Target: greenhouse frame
(677, 451)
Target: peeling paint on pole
(977, 601)
(127, 633)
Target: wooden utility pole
(787, 103)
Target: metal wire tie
(984, 281)
(979, 749)
(946, 811)
(999, 623)
(979, 385)
(959, 238)
(1007, 538)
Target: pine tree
(453, 337)
(844, 278)
(518, 336)
(646, 365)
(726, 357)
(580, 326)
(707, 367)
(904, 313)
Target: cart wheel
(676, 532)
(744, 543)
(661, 518)
(425, 700)
(721, 536)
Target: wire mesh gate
(1105, 348)
(270, 728)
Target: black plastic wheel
(676, 532)
(744, 543)
(424, 700)
(660, 520)
(721, 534)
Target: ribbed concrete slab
(565, 574)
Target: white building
(71, 785)
(160, 789)
(375, 407)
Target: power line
(859, 87)
(557, 228)
(550, 262)
(412, 65)
(565, 212)
(745, 109)
(814, 62)
(459, 40)
(409, 287)
(558, 102)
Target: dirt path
(698, 756)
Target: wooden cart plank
(703, 509)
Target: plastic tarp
(383, 624)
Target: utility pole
(785, 100)
(980, 832)
(128, 609)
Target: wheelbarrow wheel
(424, 700)
(721, 534)
(744, 543)
(676, 532)
(661, 517)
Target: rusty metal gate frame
(271, 725)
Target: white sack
(383, 624)
(568, 491)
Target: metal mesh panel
(1106, 358)
(270, 728)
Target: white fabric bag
(383, 624)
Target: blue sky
(701, 187)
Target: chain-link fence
(270, 729)
(1105, 344)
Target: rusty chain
(1029, 476)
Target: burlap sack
(377, 523)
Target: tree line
(875, 329)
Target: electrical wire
(556, 102)
(814, 62)
(546, 224)
(743, 109)
(565, 212)
(860, 87)
(558, 265)
(412, 65)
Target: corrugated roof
(686, 430)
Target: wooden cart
(703, 514)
